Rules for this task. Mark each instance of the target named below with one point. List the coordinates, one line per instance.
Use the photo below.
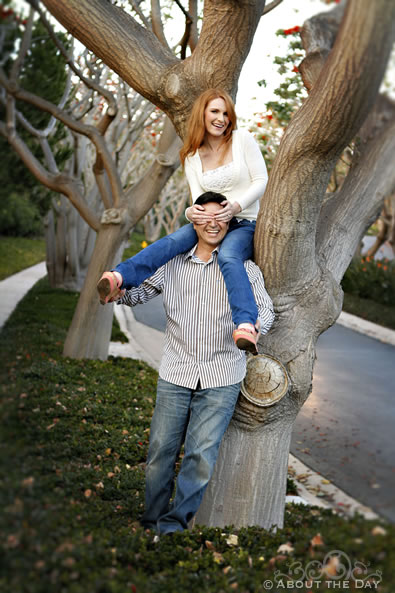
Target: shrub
(371, 279)
(20, 217)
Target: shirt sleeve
(256, 168)
(149, 289)
(264, 302)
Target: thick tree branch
(357, 204)
(116, 37)
(327, 121)
(318, 35)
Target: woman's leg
(145, 263)
(235, 249)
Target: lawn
(74, 438)
(18, 253)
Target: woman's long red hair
(196, 126)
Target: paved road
(345, 429)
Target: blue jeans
(198, 419)
(237, 246)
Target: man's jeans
(236, 247)
(198, 418)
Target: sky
(266, 45)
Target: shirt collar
(191, 253)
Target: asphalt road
(345, 430)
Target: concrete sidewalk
(146, 343)
(14, 288)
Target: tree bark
(85, 339)
(306, 296)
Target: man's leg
(167, 434)
(211, 412)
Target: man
(200, 372)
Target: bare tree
(103, 125)
(304, 240)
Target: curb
(383, 334)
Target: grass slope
(18, 253)
(74, 437)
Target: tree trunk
(90, 331)
(69, 247)
(258, 480)
(307, 297)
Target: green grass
(18, 253)
(375, 312)
(73, 442)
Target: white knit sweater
(249, 179)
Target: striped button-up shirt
(198, 338)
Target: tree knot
(113, 216)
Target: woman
(217, 157)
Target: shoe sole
(244, 344)
(104, 290)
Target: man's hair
(210, 196)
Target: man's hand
(228, 212)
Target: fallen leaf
(378, 530)
(12, 541)
(317, 540)
(28, 482)
(218, 558)
(331, 566)
(285, 548)
(279, 558)
(209, 545)
(232, 540)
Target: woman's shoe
(246, 339)
(107, 287)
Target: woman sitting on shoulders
(217, 157)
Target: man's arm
(262, 299)
(149, 289)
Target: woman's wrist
(186, 213)
(236, 208)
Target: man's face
(213, 232)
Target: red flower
(269, 117)
(295, 69)
(259, 124)
(295, 29)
